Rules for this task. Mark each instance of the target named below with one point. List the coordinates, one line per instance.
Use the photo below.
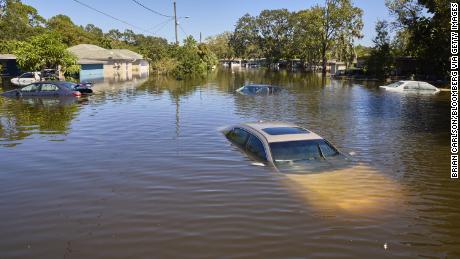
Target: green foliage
(19, 21)
(341, 24)
(193, 59)
(40, 43)
(245, 40)
(306, 43)
(362, 51)
(164, 65)
(220, 45)
(424, 37)
(70, 33)
(312, 35)
(275, 33)
(380, 61)
(207, 56)
(44, 51)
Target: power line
(160, 26)
(182, 29)
(153, 11)
(113, 17)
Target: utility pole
(175, 23)
(200, 36)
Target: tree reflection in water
(21, 118)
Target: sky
(210, 17)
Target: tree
(71, 33)
(19, 21)
(207, 56)
(306, 44)
(193, 59)
(340, 21)
(129, 36)
(114, 34)
(425, 37)
(220, 45)
(275, 33)
(94, 30)
(44, 51)
(245, 40)
(381, 60)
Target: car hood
(313, 166)
(10, 93)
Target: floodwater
(140, 170)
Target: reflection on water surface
(140, 170)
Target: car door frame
(31, 93)
(260, 137)
(49, 93)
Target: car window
(49, 88)
(27, 75)
(411, 86)
(302, 150)
(426, 87)
(31, 88)
(396, 84)
(256, 147)
(327, 150)
(69, 85)
(238, 136)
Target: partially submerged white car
(411, 87)
(286, 146)
(26, 78)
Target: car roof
(54, 82)
(260, 85)
(261, 126)
(412, 81)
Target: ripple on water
(140, 170)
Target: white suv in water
(411, 86)
(283, 145)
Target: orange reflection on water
(357, 189)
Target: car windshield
(396, 84)
(254, 89)
(302, 150)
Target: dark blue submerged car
(259, 89)
(50, 88)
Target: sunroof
(285, 130)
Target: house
(9, 65)
(99, 63)
(333, 66)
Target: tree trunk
(324, 60)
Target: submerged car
(286, 146)
(26, 78)
(258, 89)
(52, 88)
(411, 87)
(84, 87)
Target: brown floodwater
(141, 170)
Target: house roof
(127, 53)
(7, 56)
(92, 54)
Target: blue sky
(209, 17)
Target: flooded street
(140, 170)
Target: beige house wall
(119, 70)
